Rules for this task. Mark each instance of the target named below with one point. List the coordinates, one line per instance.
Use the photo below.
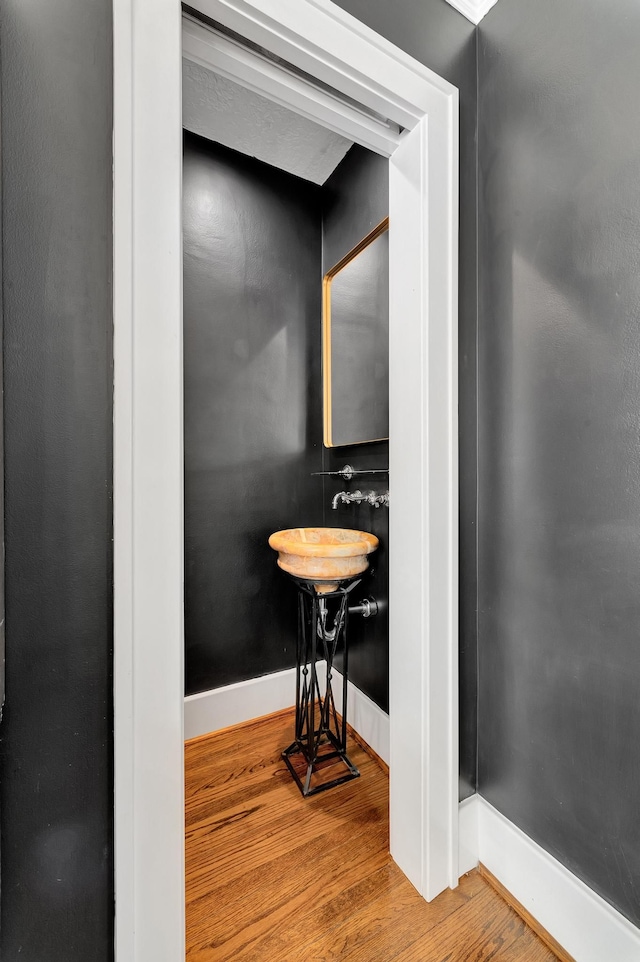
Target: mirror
(356, 343)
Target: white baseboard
(468, 834)
(582, 922)
(217, 708)
(365, 717)
(209, 711)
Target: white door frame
(327, 43)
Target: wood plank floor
(273, 877)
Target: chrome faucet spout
(346, 497)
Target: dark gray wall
(559, 712)
(355, 199)
(253, 418)
(56, 785)
(253, 262)
(442, 39)
(2, 619)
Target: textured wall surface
(559, 712)
(253, 239)
(355, 198)
(253, 421)
(56, 785)
(221, 110)
(442, 39)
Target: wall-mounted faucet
(357, 497)
(346, 497)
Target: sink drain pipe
(368, 608)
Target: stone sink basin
(323, 556)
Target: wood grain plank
(263, 828)
(484, 928)
(278, 897)
(375, 932)
(559, 952)
(274, 877)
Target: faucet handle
(357, 497)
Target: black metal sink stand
(320, 736)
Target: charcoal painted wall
(355, 199)
(253, 419)
(559, 712)
(253, 262)
(2, 619)
(442, 39)
(56, 785)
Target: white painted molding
(209, 711)
(423, 525)
(365, 717)
(468, 834)
(473, 10)
(147, 481)
(581, 921)
(123, 509)
(235, 62)
(320, 38)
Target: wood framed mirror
(355, 339)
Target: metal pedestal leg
(318, 758)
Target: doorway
(351, 64)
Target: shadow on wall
(253, 261)
(559, 436)
(252, 249)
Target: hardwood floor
(273, 877)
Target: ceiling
(473, 10)
(232, 115)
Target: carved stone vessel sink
(323, 555)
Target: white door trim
(234, 62)
(321, 39)
(148, 469)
